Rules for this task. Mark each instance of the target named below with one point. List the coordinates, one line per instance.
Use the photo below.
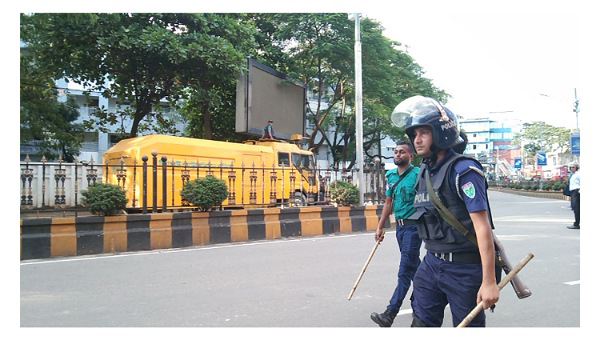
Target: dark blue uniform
(451, 271)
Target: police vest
(439, 235)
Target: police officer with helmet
(456, 270)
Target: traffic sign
(518, 163)
(575, 141)
(541, 158)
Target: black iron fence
(153, 184)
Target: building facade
(490, 142)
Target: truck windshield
(307, 162)
(303, 162)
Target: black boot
(573, 227)
(385, 319)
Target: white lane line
(198, 248)
(405, 311)
(572, 283)
(529, 219)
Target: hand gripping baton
(467, 320)
(363, 270)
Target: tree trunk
(207, 126)
(141, 111)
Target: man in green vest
(400, 195)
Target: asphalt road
(296, 282)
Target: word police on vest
(422, 197)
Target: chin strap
(431, 159)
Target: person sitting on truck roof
(268, 132)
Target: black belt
(403, 222)
(465, 258)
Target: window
(474, 135)
(93, 102)
(474, 147)
(283, 158)
(114, 138)
(296, 159)
(306, 162)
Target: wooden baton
(467, 320)
(363, 270)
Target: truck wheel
(299, 199)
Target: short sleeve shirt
(404, 192)
(467, 176)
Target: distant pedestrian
(574, 186)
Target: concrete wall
(52, 237)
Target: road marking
(405, 311)
(572, 283)
(533, 219)
(197, 248)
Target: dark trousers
(575, 200)
(438, 283)
(410, 246)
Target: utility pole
(358, 107)
(576, 110)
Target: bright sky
(495, 61)
(491, 57)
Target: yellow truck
(257, 173)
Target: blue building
(490, 142)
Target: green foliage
(205, 193)
(558, 186)
(320, 53)
(44, 119)
(538, 136)
(104, 199)
(140, 58)
(344, 193)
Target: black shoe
(573, 227)
(385, 319)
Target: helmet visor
(415, 107)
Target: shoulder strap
(445, 213)
(450, 218)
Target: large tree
(44, 119)
(141, 58)
(541, 136)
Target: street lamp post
(358, 107)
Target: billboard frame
(244, 103)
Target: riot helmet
(424, 111)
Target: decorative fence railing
(154, 185)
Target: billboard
(264, 94)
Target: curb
(52, 237)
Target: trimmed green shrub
(104, 199)
(344, 193)
(558, 186)
(205, 193)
